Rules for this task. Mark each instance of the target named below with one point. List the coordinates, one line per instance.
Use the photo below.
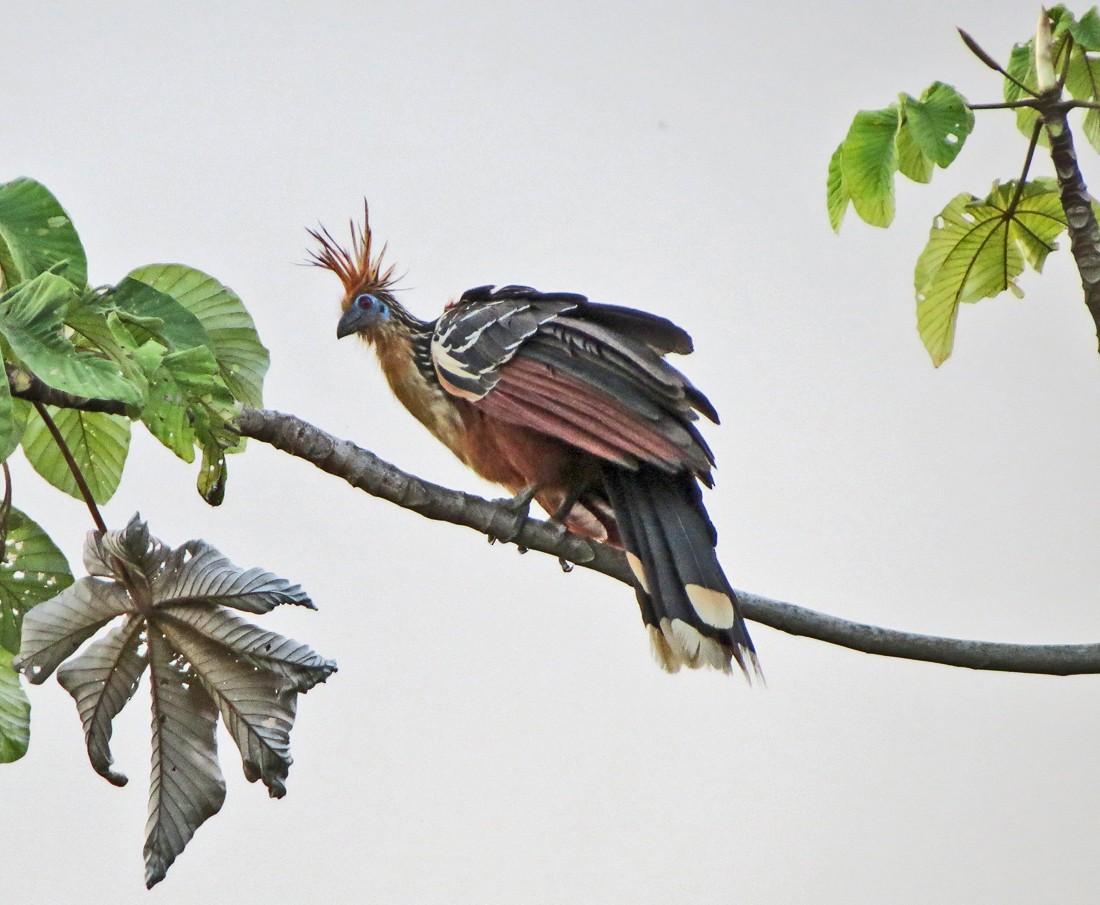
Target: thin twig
(78, 476)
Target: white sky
(497, 731)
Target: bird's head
(369, 306)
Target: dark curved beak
(349, 323)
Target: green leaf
(1092, 128)
(912, 162)
(977, 249)
(1038, 219)
(1021, 68)
(213, 474)
(868, 162)
(36, 235)
(31, 318)
(837, 196)
(1083, 83)
(156, 315)
(10, 429)
(241, 356)
(15, 713)
(1086, 32)
(32, 570)
(180, 384)
(939, 123)
(98, 442)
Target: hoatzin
(572, 404)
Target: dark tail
(688, 606)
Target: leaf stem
(1064, 74)
(78, 476)
(976, 49)
(5, 508)
(1023, 173)
(1004, 105)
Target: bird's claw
(519, 506)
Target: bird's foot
(518, 508)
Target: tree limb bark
(365, 471)
(372, 475)
(1084, 233)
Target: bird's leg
(556, 522)
(520, 507)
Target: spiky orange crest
(355, 267)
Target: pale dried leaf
(102, 680)
(258, 706)
(198, 572)
(186, 785)
(57, 627)
(297, 662)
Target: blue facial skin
(372, 303)
(364, 313)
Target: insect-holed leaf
(302, 666)
(241, 356)
(57, 627)
(15, 713)
(939, 122)
(37, 235)
(102, 680)
(197, 572)
(186, 785)
(31, 319)
(258, 706)
(99, 444)
(32, 570)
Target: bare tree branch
(367, 472)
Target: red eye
(365, 302)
